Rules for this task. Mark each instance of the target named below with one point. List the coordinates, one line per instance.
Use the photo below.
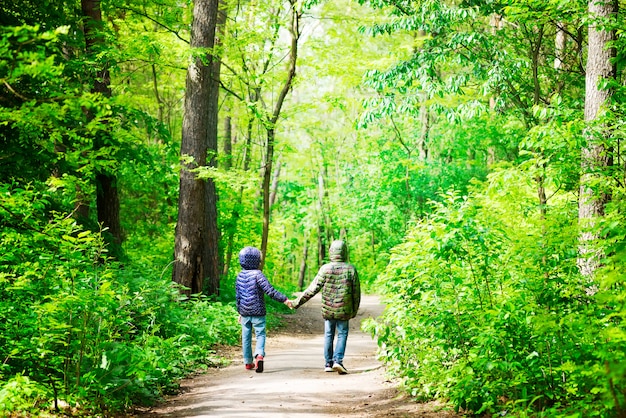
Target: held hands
(289, 303)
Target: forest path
(294, 383)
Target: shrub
(486, 308)
(87, 331)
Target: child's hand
(289, 303)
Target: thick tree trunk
(213, 267)
(195, 230)
(595, 155)
(107, 197)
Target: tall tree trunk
(265, 190)
(228, 163)
(247, 151)
(107, 197)
(213, 237)
(536, 59)
(194, 260)
(596, 153)
(271, 124)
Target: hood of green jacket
(338, 251)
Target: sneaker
(338, 367)
(328, 367)
(249, 366)
(258, 360)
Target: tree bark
(194, 259)
(595, 155)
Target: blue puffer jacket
(252, 285)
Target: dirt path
(294, 383)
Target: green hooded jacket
(339, 283)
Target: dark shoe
(258, 361)
(338, 367)
(328, 367)
(249, 366)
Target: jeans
(247, 323)
(342, 327)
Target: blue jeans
(247, 323)
(342, 327)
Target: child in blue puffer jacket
(250, 289)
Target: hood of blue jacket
(250, 258)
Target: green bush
(79, 329)
(486, 308)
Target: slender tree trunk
(496, 25)
(302, 273)
(422, 142)
(227, 158)
(321, 245)
(235, 215)
(373, 242)
(107, 197)
(595, 155)
(325, 219)
(560, 45)
(271, 124)
(194, 260)
(274, 189)
(536, 62)
(265, 190)
(228, 143)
